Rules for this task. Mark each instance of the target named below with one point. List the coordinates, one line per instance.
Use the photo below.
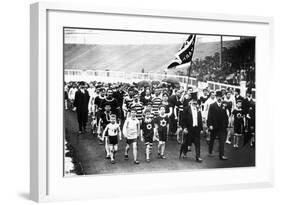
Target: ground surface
(91, 155)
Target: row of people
(149, 129)
(219, 112)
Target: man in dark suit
(237, 95)
(217, 122)
(81, 101)
(192, 126)
(248, 107)
(173, 102)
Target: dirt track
(91, 155)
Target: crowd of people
(208, 69)
(237, 63)
(158, 113)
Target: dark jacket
(187, 120)
(81, 101)
(173, 100)
(217, 117)
(247, 105)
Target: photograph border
(39, 143)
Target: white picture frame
(46, 176)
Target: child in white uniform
(131, 131)
(112, 132)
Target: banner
(184, 55)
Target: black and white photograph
(147, 101)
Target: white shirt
(92, 92)
(71, 94)
(113, 129)
(194, 116)
(130, 128)
(206, 107)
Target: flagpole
(221, 52)
(188, 76)
(190, 67)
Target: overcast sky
(87, 36)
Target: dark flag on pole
(184, 55)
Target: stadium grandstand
(238, 60)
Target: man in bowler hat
(81, 101)
(217, 122)
(192, 127)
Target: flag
(184, 55)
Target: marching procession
(156, 113)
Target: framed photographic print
(147, 101)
